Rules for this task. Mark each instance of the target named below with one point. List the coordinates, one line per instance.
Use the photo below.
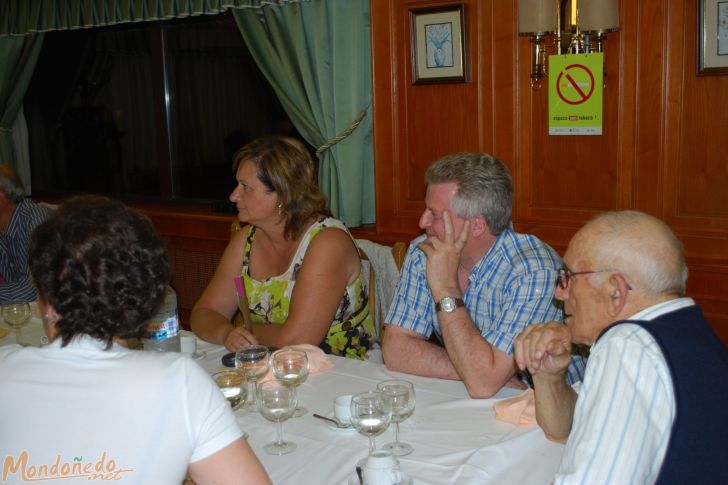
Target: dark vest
(698, 362)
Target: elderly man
(653, 402)
(470, 280)
(18, 217)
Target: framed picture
(438, 44)
(712, 37)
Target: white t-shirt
(625, 409)
(84, 412)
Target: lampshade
(598, 15)
(536, 16)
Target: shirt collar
(650, 313)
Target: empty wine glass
(16, 315)
(252, 362)
(402, 394)
(276, 402)
(230, 383)
(371, 413)
(291, 367)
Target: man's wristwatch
(449, 304)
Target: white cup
(342, 408)
(188, 344)
(381, 468)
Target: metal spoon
(338, 423)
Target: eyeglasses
(565, 275)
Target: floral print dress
(352, 330)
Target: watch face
(447, 304)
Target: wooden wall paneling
(651, 50)
(421, 122)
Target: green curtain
(18, 56)
(21, 17)
(317, 57)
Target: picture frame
(438, 44)
(712, 37)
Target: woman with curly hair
(301, 268)
(85, 405)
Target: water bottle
(163, 328)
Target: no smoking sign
(575, 94)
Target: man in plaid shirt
(471, 281)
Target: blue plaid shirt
(16, 281)
(510, 288)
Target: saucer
(332, 426)
(406, 480)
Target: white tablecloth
(457, 440)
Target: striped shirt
(16, 282)
(511, 287)
(625, 409)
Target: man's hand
(443, 259)
(544, 348)
(238, 338)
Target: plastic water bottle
(163, 328)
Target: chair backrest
(382, 264)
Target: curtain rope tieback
(343, 134)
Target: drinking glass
(402, 394)
(291, 367)
(16, 315)
(371, 413)
(231, 383)
(276, 402)
(252, 362)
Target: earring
(50, 319)
(280, 208)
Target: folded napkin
(519, 410)
(318, 361)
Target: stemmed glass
(16, 315)
(402, 394)
(252, 362)
(291, 367)
(371, 413)
(276, 402)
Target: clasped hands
(544, 349)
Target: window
(147, 109)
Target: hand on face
(239, 338)
(443, 258)
(544, 348)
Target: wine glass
(291, 367)
(230, 383)
(252, 362)
(16, 315)
(371, 413)
(277, 402)
(402, 394)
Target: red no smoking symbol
(576, 95)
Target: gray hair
(484, 187)
(10, 184)
(643, 248)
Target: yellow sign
(575, 94)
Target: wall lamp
(578, 26)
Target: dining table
(456, 439)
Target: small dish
(407, 480)
(331, 425)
